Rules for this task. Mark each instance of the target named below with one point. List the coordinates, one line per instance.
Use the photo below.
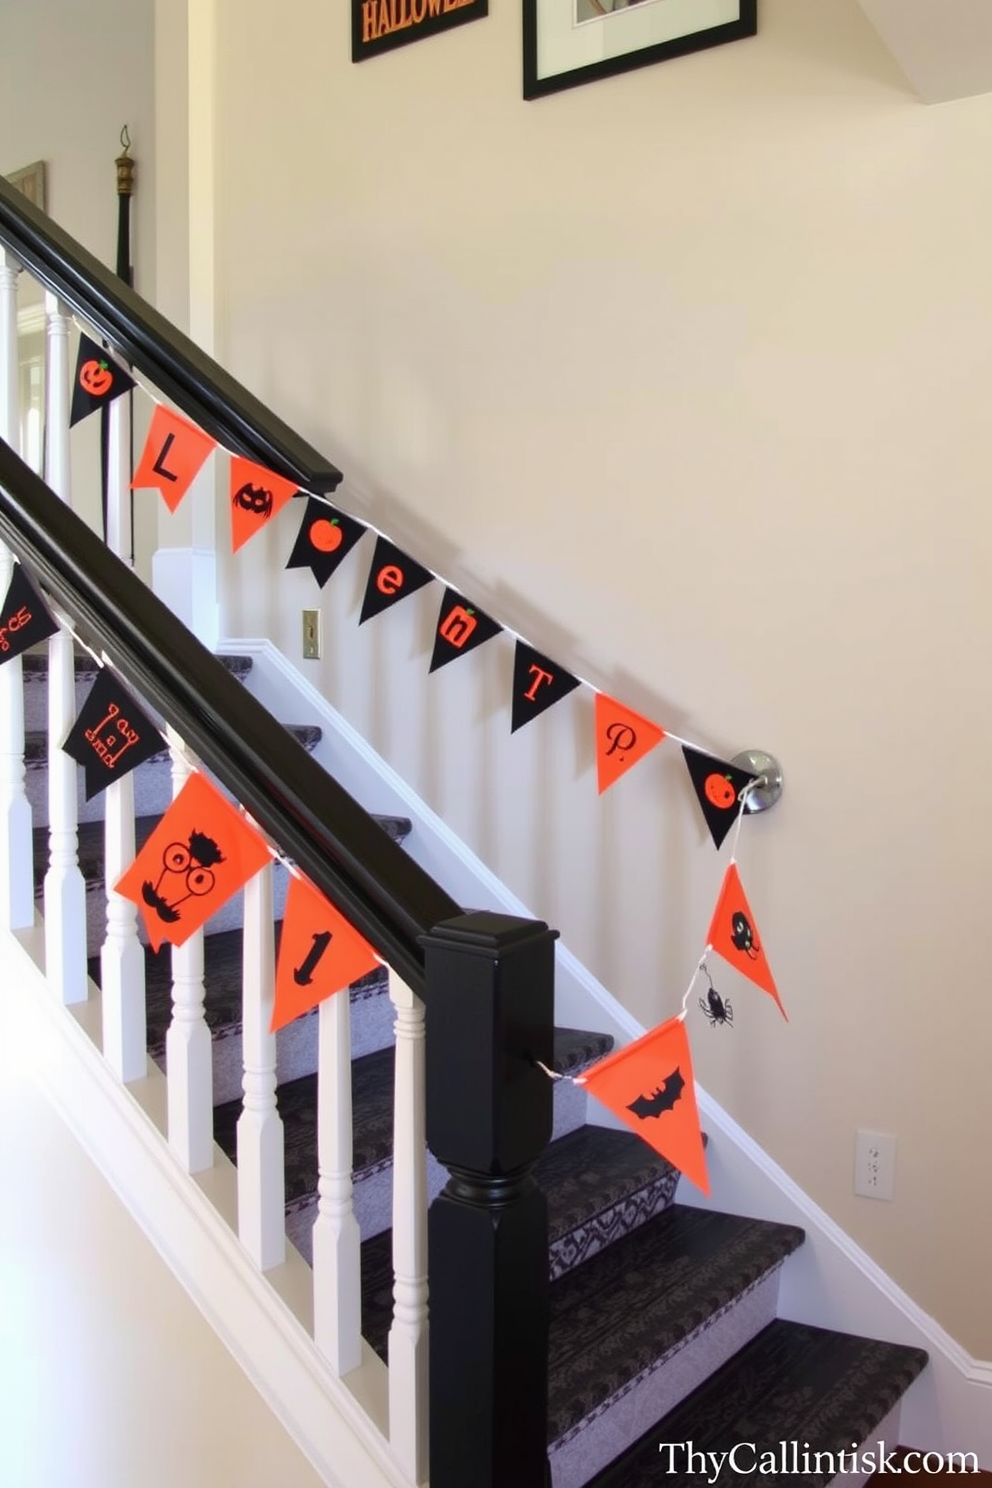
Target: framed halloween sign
(380, 25)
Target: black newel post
(490, 1015)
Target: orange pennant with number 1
(257, 495)
(733, 935)
(622, 738)
(319, 953)
(174, 453)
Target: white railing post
(408, 1334)
(65, 889)
(188, 1049)
(16, 879)
(261, 1154)
(337, 1266)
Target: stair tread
(35, 664)
(632, 1305)
(792, 1382)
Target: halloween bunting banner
(622, 739)
(538, 683)
(98, 381)
(320, 953)
(461, 627)
(391, 578)
(733, 935)
(257, 495)
(24, 621)
(326, 536)
(112, 735)
(174, 454)
(718, 786)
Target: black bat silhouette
(663, 1099)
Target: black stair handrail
(309, 817)
(197, 384)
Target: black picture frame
(564, 48)
(382, 25)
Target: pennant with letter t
(538, 683)
(111, 736)
(98, 381)
(391, 578)
(175, 452)
(319, 953)
(718, 786)
(622, 738)
(733, 935)
(257, 495)
(461, 627)
(23, 618)
(202, 851)
(325, 537)
(650, 1086)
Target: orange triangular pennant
(651, 1087)
(319, 953)
(733, 935)
(201, 852)
(173, 456)
(257, 495)
(622, 738)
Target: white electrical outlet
(874, 1165)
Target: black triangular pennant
(718, 786)
(23, 618)
(326, 536)
(112, 734)
(538, 683)
(97, 382)
(391, 578)
(461, 627)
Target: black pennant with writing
(391, 578)
(23, 618)
(325, 537)
(718, 786)
(111, 736)
(98, 380)
(460, 628)
(538, 683)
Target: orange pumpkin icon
(326, 536)
(96, 378)
(720, 791)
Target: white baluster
(188, 1049)
(408, 1334)
(16, 879)
(122, 958)
(337, 1272)
(261, 1155)
(65, 890)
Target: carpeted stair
(663, 1316)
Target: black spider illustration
(743, 936)
(716, 1010)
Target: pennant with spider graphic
(734, 936)
(718, 786)
(391, 578)
(98, 380)
(622, 738)
(174, 454)
(650, 1086)
(538, 683)
(326, 536)
(24, 619)
(112, 734)
(320, 953)
(257, 495)
(461, 627)
(202, 851)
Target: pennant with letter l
(461, 627)
(202, 851)
(320, 953)
(112, 734)
(622, 738)
(718, 786)
(257, 495)
(391, 578)
(98, 380)
(732, 933)
(175, 452)
(326, 536)
(538, 683)
(650, 1086)
(23, 618)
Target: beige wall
(687, 376)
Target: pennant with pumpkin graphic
(391, 578)
(257, 495)
(319, 953)
(98, 380)
(734, 936)
(174, 454)
(23, 618)
(650, 1086)
(622, 738)
(112, 734)
(718, 786)
(202, 851)
(538, 683)
(326, 536)
(461, 627)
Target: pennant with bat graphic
(202, 851)
(622, 739)
(174, 454)
(733, 934)
(257, 495)
(718, 786)
(319, 953)
(461, 627)
(391, 578)
(538, 683)
(98, 380)
(111, 736)
(326, 536)
(23, 618)
(650, 1086)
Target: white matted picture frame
(570, 42)
(30, 181)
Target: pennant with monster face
(461, 627)
(733, 934)
(650, 1086)
(319, 953)
(326, 536)
(23, 618)
(622, 738)
(97, 382)
(112, 734)
(718, 786)
(538, 683)
(391, 578)
(175, 452)
(257, 495)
